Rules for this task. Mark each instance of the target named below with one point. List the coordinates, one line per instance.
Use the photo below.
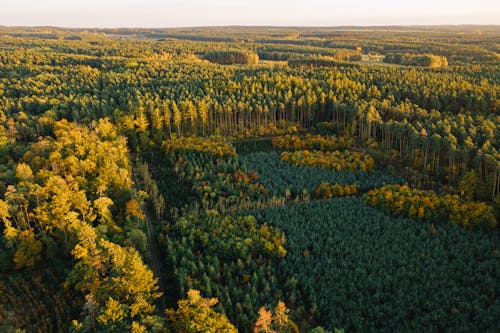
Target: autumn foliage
(196, 315)
(428, 206)
(277, 322)
(311, 142)
(327, 190)
(211, 145)
(337, 160)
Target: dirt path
(153, 246)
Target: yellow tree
(277, 323)
(203, 111)
(281, 322)
(176, 117)
(166, 117)
(195, 315)
(264, 321)
(116, 278)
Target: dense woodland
(250, 179)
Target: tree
(277, 323)
(195, 315)
(115, 277)
(28, 251)
(203, 111)
(264, 321)
(468, 185)
(177, 117)
(166, 117)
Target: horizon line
(257, 26)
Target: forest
(250, 179)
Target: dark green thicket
(368, 272)
(280, 177)
(232, 57)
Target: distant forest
(250, 179)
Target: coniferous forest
(239, 179)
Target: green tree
(468, 185)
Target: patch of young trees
(233, 57)
(324, 61)
(428, 206)
(423, 60)
(362, 256)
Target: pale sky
(185, 13)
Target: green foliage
(365, 271)
(442, 128)
(320, 329)
(496, 206)
(215, 181)
(325, 61)
(424, 60)
(278, 176)
(468, 184)
(327, 191)
(337, 160)
(311, 142)
(67, 188)
(211, 146)
(28, 250)
(137, 239)
(233, 57)
(231, 258)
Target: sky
(189, 13)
